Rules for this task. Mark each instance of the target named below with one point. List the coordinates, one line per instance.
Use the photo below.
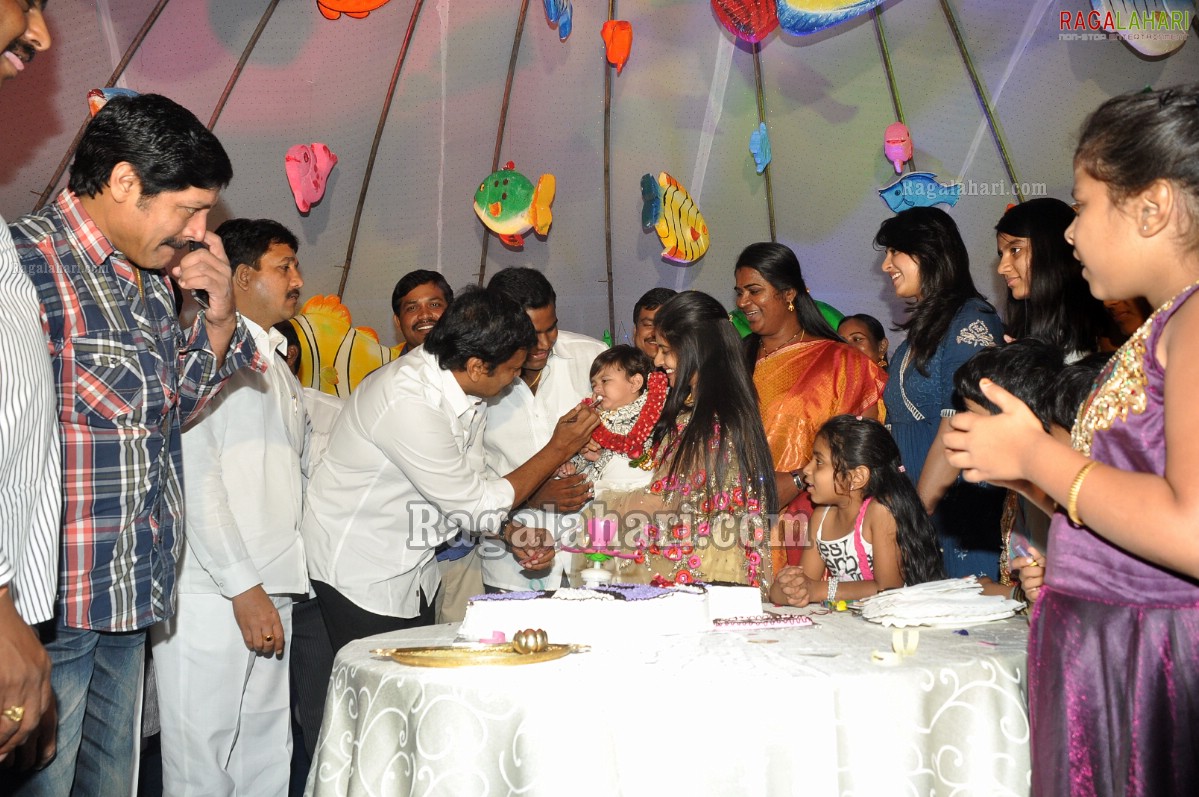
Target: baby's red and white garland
(632, 444)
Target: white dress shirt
(243, 483)
(404, 471)
(519, 424)
(30, 456)
(323, 410)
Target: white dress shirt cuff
(236, 578)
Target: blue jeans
(96, 677)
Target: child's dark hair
(1029, 369)
(855, 442)
(1074, 384)
(629, 359)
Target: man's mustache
(21, 50)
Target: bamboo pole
(112, 81)
(370, 161)
(499, 133)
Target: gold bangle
(1075, 487)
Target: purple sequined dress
(1114, 644)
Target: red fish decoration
(750, 20)
(358, 9)
(618, 40)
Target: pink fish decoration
(308, 167)
(750, 20)
(618, 40)
(897, 145)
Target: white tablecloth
(769, 712)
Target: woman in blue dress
(948, 322)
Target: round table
(790, 711)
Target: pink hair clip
(902, 469)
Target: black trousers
(347, 621)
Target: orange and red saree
(799, 388)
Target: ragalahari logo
(1155, 24)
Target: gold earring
(791, 304)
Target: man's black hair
(528, 287)
(480, 323)
(167, 146)
(247, 240)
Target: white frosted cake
(608, 614)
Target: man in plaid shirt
(102, 256)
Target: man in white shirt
(404, 471)
(222, 661)
(30, 475)
(555, 376)
(419, 299)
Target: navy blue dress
(967, 519)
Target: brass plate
(473, 655)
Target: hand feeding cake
(608, 614)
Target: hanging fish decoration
(618, 40)
(748, 20)
(801, 17)
(357, 9)
(560, 13)
(308, 167)
(897, 145)
(98, 98)
(759, 146)
(675, 217)
(919, 190)
(335, 355)
(509, 205)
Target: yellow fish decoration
(676, 218)
(335, 356)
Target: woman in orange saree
(804, 374)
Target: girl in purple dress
(1114, 643)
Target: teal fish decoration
(651, 201)
(759, 145)
(919, 190)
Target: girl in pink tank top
(872, 532)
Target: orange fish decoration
(358, 9)
(618, 40)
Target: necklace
(800, 334)
(533, 385)
(632, 445)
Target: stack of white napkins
(953, 602)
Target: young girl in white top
(871, 532)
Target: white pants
(225, 712)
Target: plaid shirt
(127, 378)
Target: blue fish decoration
(759, 145)
(651, 201)
(919, 190)
(560, 13)
(797, 17)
